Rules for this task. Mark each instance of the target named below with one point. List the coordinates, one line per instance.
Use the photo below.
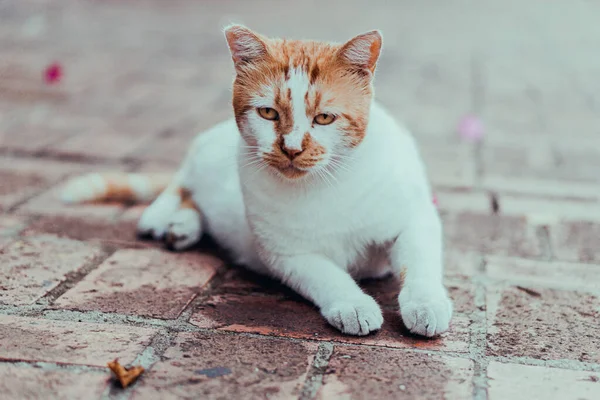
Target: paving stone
(102, 144)
(18, 382)
(10, 226)
(431, 101)
(170, 147)
(292, 317)
(543, 324)
(66, 342)
(370, 373)
(536, 273)
(520, 382)
(142, 282)
(461, 265)
(228, 366)
(34, 137)
(119, 234)
(548, 211)
(576, 241)
(114, 138)
(449, 165)
(462, 201)
(491, 234)
(535, 161)
(541, 187)
(33, 266)
(22, 178)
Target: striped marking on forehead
(289, 100)
(298, 85)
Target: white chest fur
(341, 216)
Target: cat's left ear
(362, 51)
(245, 45)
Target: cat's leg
(417, 259)
(341, 301)
(156, 217)
(185, 225)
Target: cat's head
(302, 106)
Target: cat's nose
(291, 153)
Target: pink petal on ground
(53, 73)
(471, 128)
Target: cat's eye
(324, 119)
(268, 113)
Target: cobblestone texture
(521, 208)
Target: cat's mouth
(290, 171)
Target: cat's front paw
(426, 310)
(359, 316)
(184, 229)
(155, 218)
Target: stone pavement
(521, 208)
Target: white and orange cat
(327, 188)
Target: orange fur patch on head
(339, 78)
(285, 123)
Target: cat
(312, 182)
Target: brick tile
(104, 143)
(462, 295)
(228, 366)
(385, 291)
(449, 165)
(537, 169)
(534, 161)
(579, 161)
(551, 324)
(22, 178)
(491, 234)
(293, 317)
(19, 382)
(10, 226)
(576, 241)
(89, 229)
(113, 139)
(33, 266)
(460, 265)
(432, 98)
(536, 273)
(167, 149)
(541, 187)
(171, 146)
(108, 233)
(461, 201)
(35, 137)
(548, 210)
(520, 382)
(142, 282)
(65, 342)
(369, 373)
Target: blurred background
(139, 78)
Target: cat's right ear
(245, 46)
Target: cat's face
(301, 106)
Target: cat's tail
(122, 187)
